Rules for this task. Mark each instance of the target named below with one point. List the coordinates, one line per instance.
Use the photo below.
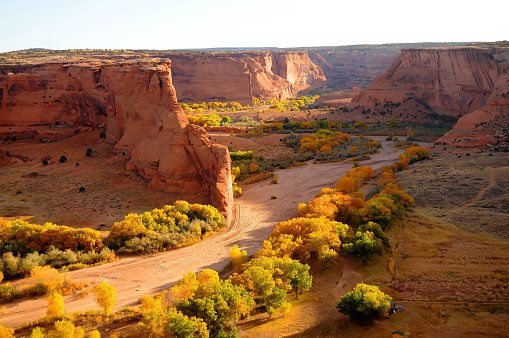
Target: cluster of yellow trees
(24, 246)
(323, 140)
(34, 237)
(167, 228)
(286, 104)
(274, 105)
(205, 120)
(105, 296)
(212, 107)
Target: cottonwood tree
(55, 305)
(105, 296)
(364, 302)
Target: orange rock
(178, 157)
(136, 102)
(487, 125)
(451, 81)
(237, 76)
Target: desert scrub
(165, 228)
(15, 266)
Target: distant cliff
(352, 68)
(451, 81)
(238, 76)
(466, 82)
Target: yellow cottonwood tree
(55, 305)
(105, 296)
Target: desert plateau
(343, 190)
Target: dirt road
(255, 216)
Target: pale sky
(170, 24)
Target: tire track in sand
(255, 217)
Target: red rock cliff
(353, 68)
(136, 102)
(488, 125)
(450, 81)
(237, 76)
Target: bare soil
(255, 217)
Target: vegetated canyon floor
(446, 269)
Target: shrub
(6, 332)
(237, 191)
(164, 228)
(241, 155)
(274, 180)
(9, 292)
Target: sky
(190, 24)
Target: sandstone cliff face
(136, 102)
(240, 76)
(178, 157)
(199, 78)
(127, 97)
(451, 81)
(355, 68)
(487, 125)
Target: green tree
(393, 123)
(219, 303)
(364, 245)
(364, 303)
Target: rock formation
(135, 101)
(451, 81)
(467, 82)
(178, 157)
(353, 68)
(488, 125)
(238, 76)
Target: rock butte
(136, 102)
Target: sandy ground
(255, 217)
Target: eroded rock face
(136, 102)
(240, 76)
(178, 157)
(356, 68)
(486, 125)
(451, 81)
(466, 82)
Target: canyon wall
(451, 81)
(487, 126)
(238, 76)
(352, 68)
(470, 83)
(136, 102)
